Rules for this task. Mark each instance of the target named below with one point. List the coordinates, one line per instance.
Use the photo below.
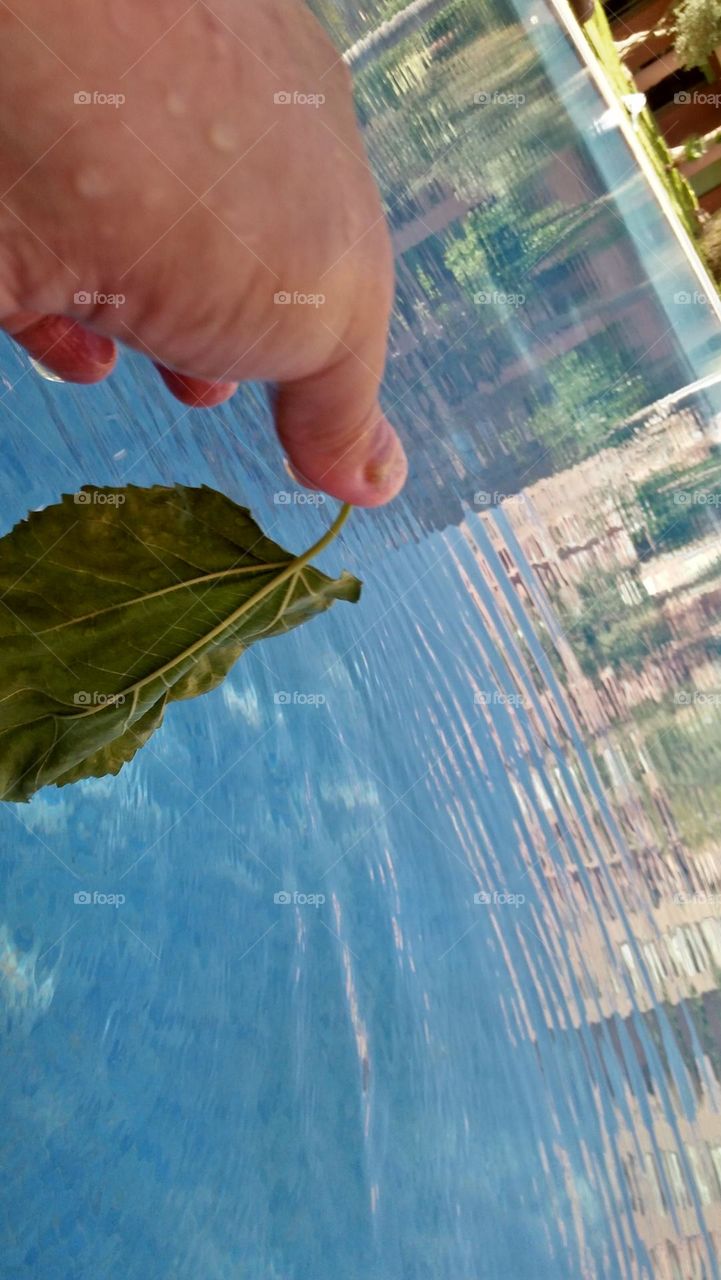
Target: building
(686, 104)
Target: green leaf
(117, 601)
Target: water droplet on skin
(175, 104)
(43, 372)
(124, 22)
(151, 197)
(223, 136)
(92, 183)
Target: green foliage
(697, 31)
(588, 397)
(684, 744)
(117, 601)
(680, 192)
(607, 631)
(466, 256)
(432, 130)
(693, 147)
(504, 240)
(711, 244)
(519, 239)
(680, 505)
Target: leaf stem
(329, 536)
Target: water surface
(417, 971)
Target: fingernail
(384, 471)
(198, 393)
(67, 351)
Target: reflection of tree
(681, 505)
(341, 20)
(417, 102)
(490, 187)
(606, 631)
(586, 398)
(684, 744)
(504, 242)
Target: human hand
(198, 200)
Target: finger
(337, 437)
(63, 346)
(196, 392)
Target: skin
(198, 200)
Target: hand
(180, 207)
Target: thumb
(336, 436)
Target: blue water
(454, 1052)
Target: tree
(711, 244)
(697, 31)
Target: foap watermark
(84, 698)
(498, 98)
(697, 97)
(494, 898)
(696, 498)
(496, 298)
(296, 299)
(84, 298)
(288, 898)
(683, 298)
(697, 698)
(483, 498)
(286, 98)
(495, 698)
(84, 898)
(295, 698)
(86, 98)
(303, 498)
(703, 899)
(97, 498)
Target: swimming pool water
(416, 971)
